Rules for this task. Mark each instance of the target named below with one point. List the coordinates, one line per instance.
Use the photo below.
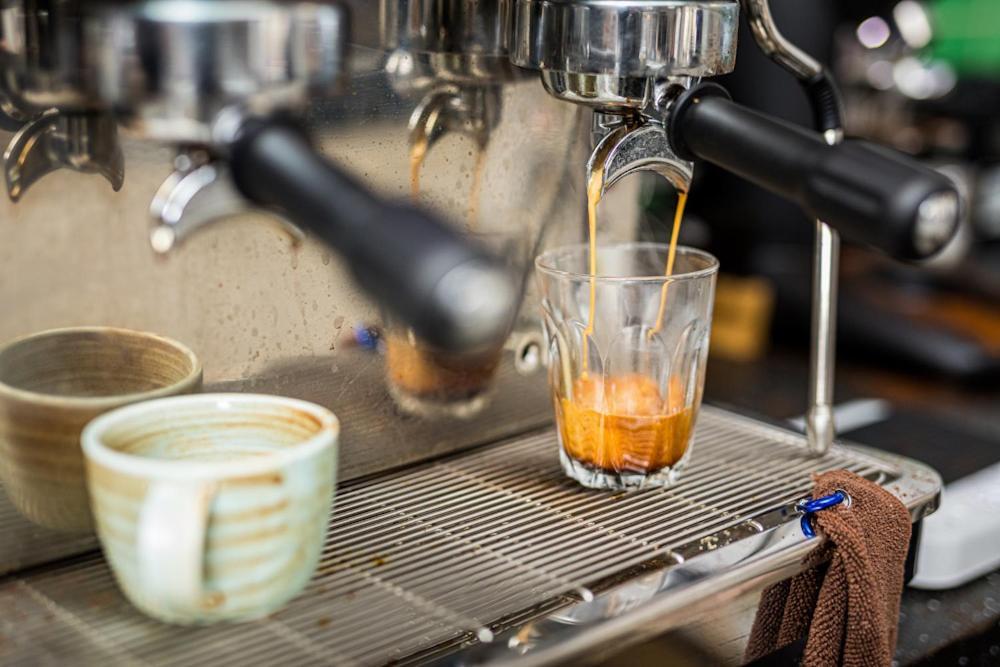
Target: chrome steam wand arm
(824, 98)
(825, 101)
(871, 194)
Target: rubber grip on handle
(454, 294)
(870, 194)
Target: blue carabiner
(810, 507)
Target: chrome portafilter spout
(46, 97)
(473, 111)
(449, 102)
(625, 145)
(84, 142)
(223, 82)
(198, 192)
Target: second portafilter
(453, 55)
(450, 57)
(221, 80)
(638, 62)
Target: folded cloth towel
(847, 598)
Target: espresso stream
(622, 423)
(418, 153)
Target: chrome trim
(774, 44)
(627, 150)
(631, 38)
(820, 427)
(652, 604)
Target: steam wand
(825, 101)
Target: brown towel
(847, 599)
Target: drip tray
(433, 562)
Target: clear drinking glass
(428, 382)
(626, 384)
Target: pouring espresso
(637, 64)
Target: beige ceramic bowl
(53, 383)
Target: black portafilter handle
(455, 295)
(870, 194)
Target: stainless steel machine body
(273, 313)
(266, 313)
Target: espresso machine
(206, 117)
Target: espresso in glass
(626, 372)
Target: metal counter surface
(491, 543)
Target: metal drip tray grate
(445, 554)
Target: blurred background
(925, 79)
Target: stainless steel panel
(627, 39)
(267, 315)
(448, 554)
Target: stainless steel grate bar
(442, 553)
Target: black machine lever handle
(454, 294)
(869, 193)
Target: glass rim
(547, 268)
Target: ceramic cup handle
(171, 543)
